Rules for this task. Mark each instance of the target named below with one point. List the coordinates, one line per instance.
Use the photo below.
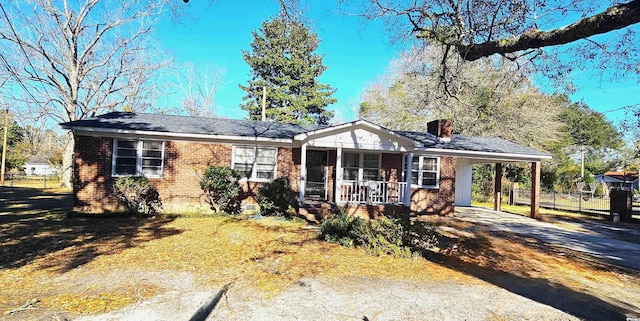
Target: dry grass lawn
(86, 265)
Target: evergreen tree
(283, 59)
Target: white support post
(338, 178)
(407, 194)
(303, 172)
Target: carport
(464, 170)
(469, 151)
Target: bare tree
(74, 59)
(198, 87)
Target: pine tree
(283, 59)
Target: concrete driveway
(615, 244)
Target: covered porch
(362, 165)
(353, 176)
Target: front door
(316, 187)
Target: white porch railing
(372, 192)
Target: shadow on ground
(35, 225)
(465, 254)
(559, 296)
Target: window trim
(139, 148)
(254, 167)
(421, 170)
(361, 167)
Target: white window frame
(254, 172)
(139, 158)
(361, 167)
(421, 171)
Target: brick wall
(92, 175)
(179, 187)
(184, 161)
(439, 200)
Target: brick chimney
(440, 128)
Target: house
(39, 167)
(627, 180)
(358, 165)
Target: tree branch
(613, 18)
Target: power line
(21, 45)
(620, 108)
(11, 71)
(6, 64)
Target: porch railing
(372, 192)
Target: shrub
(137, 194)
(383, 236)
(221, 188)
(276, 198)
(339, 229)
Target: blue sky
(356, 54)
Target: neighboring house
(358, 165)
(627, 180)
(38, 167)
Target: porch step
(316, 211)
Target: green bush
(137, 194)
(383, 236)
(221, 188)
(276, 198)
(339, 229)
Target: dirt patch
(375, 299)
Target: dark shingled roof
(477, 144)
(190, 125)
(247, 128)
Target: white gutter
(184, 136)
(486, 155)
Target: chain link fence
(583, 202)
(33, 181)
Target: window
(359, 166)
(256, 163)
(371, 167)
(350, 165)
(137, 158)
(425, 171)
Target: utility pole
(264, 103)
(582, 161)
(4, 145)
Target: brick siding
(184, 161)
(179, 186)
(437, 200)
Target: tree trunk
(67, 162)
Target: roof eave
(505, 157)
(183, 136)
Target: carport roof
(473, 144)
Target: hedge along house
(357, 165)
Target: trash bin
(621, 203)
